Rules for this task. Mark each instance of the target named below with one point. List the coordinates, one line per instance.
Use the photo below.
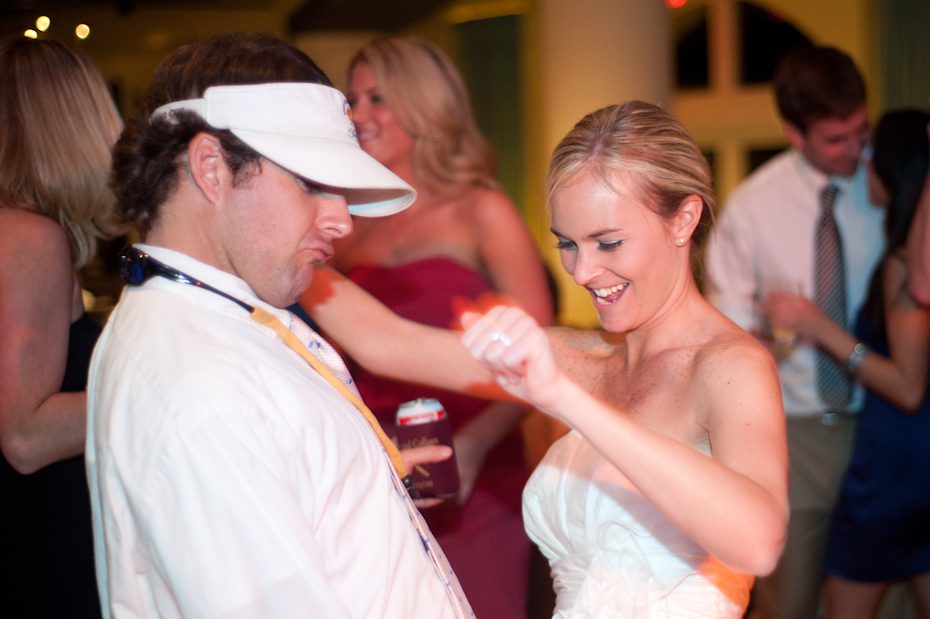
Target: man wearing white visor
(234, 472)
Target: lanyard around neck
(136, 267)
(269, 320)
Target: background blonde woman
(58, 125)
(461, 238)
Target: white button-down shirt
(230, 480)
(765, 235)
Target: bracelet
(856, 358)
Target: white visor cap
(307, 129)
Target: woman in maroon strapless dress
(461, 238)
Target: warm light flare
(675, 4)
(82, 31)
(42, 23)
(482, 305)
(31, 34)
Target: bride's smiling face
(618, 248)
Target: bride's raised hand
(516, 350)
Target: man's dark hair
(814, 83)
(146, 157)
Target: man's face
(277, 228)
(833, 145)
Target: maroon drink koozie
(424, 422)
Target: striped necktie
(833, 384)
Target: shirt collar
(227, 282)
(818, 179)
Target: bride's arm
(734, 504)
(386, 344)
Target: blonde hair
(59, 123)
(426, 94)
(647, 145)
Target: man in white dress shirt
(764, 242)
(229, 478)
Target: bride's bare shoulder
(733, 350)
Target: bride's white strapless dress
(612, 553)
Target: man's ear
(207, 166)
(795, 136)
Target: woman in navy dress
(881, 526)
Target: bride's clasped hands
(517, 352)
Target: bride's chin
(616, 320)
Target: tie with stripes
(830, 294)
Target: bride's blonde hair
(647, 145)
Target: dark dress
(484, 540)
(881, 525)
(46, 546)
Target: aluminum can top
(419, 411)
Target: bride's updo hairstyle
(647, 146)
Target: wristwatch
(856, 358)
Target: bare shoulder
(734, 374)
(487, 205)
(22, 222)
(732, 352)
(27, 235)
(36, 273)
(498, 224)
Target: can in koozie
(424, 422)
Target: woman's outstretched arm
(391, 346)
